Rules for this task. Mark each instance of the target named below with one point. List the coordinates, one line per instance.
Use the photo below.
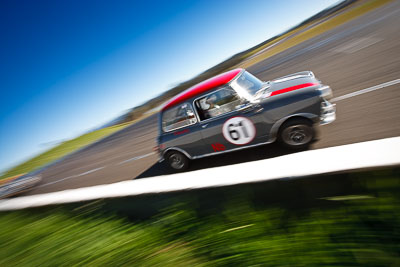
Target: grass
(316, 30)
(348, 233)
(61, 150)
(61, 240)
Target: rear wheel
(297, 133)
(177, 161)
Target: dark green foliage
(240, 231)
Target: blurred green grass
(363, 232)
(62, 150)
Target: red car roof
(202, 87)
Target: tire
(177, 161)
(297, 134)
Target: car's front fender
(275, 128)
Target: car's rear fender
(170, 149)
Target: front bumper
(326, 92)
(328, 112)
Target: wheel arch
(278, 124)
(170, 149)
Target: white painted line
(66, 178)
(367, 90)
(356, 45)
(70, 177)
(136, 158)
(372, 154)
(88, 172)
(93, 170)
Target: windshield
(247, 85)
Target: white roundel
(239, 130)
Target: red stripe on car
(202, 87)
(292, 88)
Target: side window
(178, 117)
(217, 103)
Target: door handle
(259, 110)
(204, 125)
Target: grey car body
(252, 113)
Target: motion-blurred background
(82, 82)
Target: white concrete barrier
(372, 154)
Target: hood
(297, 75)
(288, 83)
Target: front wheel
(297, 134)
(177, 161)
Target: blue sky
(70, 66)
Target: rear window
(178, 117)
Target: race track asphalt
(356, 55)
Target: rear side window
(217, 103)
(178, 117)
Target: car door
(229, 122)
